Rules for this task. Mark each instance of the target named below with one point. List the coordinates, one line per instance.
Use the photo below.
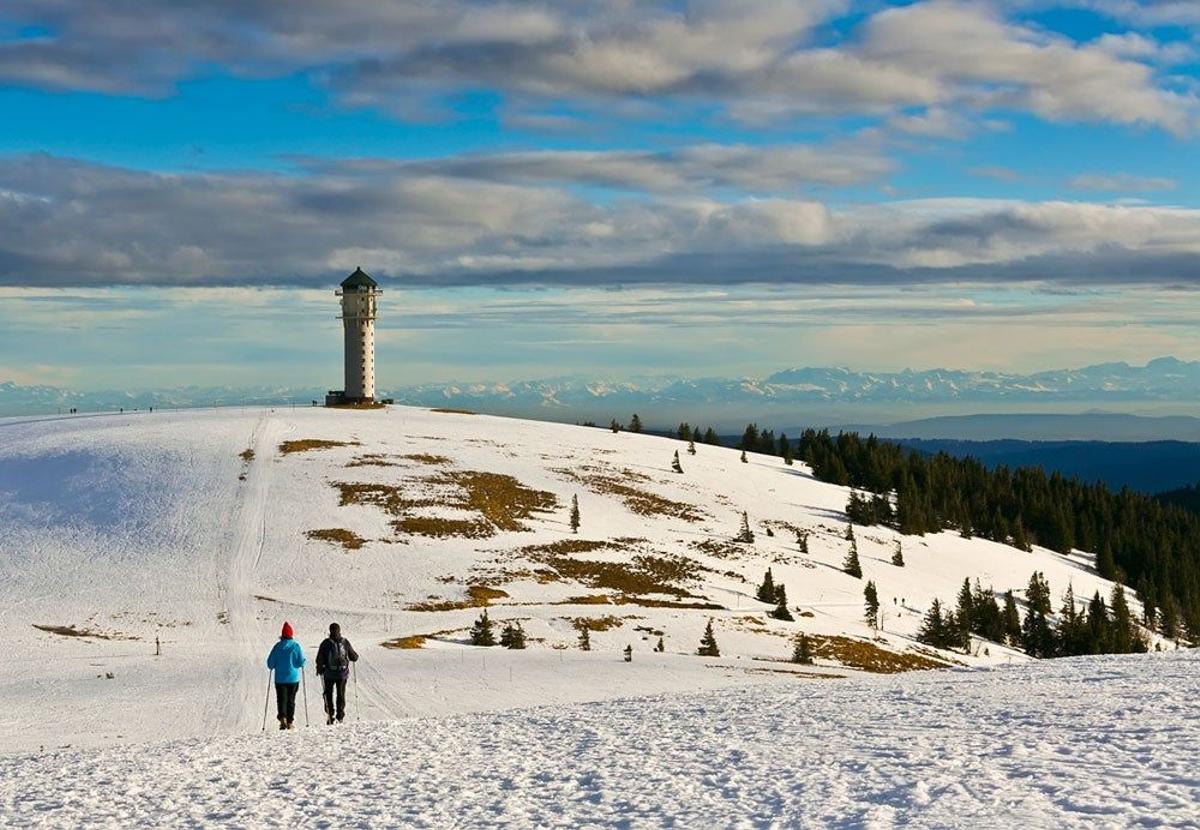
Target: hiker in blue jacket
(286, 659)
(333, 664)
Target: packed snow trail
(1089, 743)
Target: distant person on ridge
(286, 660)
(333, 664)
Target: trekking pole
(304, 689)
(267, 701)
(354, 672)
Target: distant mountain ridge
(1165, 379)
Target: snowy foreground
(1089, 742)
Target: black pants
(285, 700)
(332, 685)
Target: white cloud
(1121, 183)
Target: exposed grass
(428, 459)
(501, 499)
(385, 496)
(867, 656)
(452, 411)
(720, 549)
(409, 642)
(247, 455)
(357, 405)
(478, 596)
(348, 539)
(308, 444)
(636, 500)
(438, 527)
(372, 460)
(604, 623)
(86, 633)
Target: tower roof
(359, 279)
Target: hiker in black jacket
(333, 665)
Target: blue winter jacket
(287, 658)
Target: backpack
(338, 659)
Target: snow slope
(1089, 743)
(123, 528)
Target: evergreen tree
(964, 615)
(675, 465)
(482, 633)
(851, 564)
(512, 635)
(1036, 636)
(585, 638)
(802, 653)
(744, 459)
(1012, 620)
(635, 423)
(574, 513)
(781, 611)
(691, 446)
(1072, 632)
(849, 533)
(1097, 625)
(710, 437)
(766, 590)
(745, 535)
(934, 631)
(685, 431)
(660, 646)
(614, 426)
(1038, 594)
(802, 540)
(1124, 637)
(708, 643)
(789, 457)
(750, 439)
(871, 599)
(898, 555)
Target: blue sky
(596, 187)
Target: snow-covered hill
(207, 529)
(1095, 743)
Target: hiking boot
(329, 720)
(291, 725)
(283, 723)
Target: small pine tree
(789, 457)
(802, 540)
(675, 465)
(802, 653)
(512, 635)
(851, 564)
(585, 638)
(849, 533)
(1012, 619)
(614, 426)
(482, 633)
(898, 555)
(708, 643)
(628, 654)
(691, 446)
(745, 535)
(745, 460)
(933, 626)
(660, 646)
(871, 600)
(766, 590)
(635, 423)
(574, 514)
(781, 611)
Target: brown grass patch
(357, 405)
(604, 623)
(428, 459)
(372, 460)
(385, 496)
(348, 539)
(86, 633)
(478, 596)
(636, 500)
(409, 642)
(437, 527)
(308, 444)
(501, 499)
(866, 656)
(246, 455)
(451, 411)
(649, 602)
(720, 549)
(590, 599)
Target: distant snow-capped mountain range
(1165, 379)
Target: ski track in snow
(1089, 743)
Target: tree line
(1138, 540)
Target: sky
(598, 188)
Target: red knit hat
(287, 631)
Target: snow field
(1109, 742)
